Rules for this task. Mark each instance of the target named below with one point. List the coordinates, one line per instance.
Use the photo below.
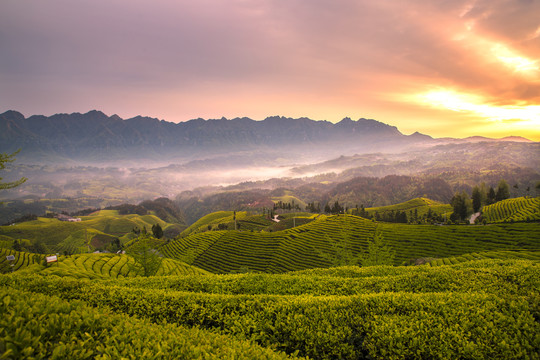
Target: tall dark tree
(157, 231)
(476, 199)
(461, 205)
(503, 191)
(490, 196)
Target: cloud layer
(323, 59)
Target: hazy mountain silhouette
(96, 137)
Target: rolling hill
(327, 240)
(257, 294)
(88, 266)
(415, 208)
(478, 309)
(513, 210)
(94, 232)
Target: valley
(268, 249)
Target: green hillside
(474, 310)
(212, 220)
(89, 266)
(92, 233)
(334, 240)
(419, 207)
(494, 254)
(512, 210)
(289, 198)
(22, 260)
(247, 222)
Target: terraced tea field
(419, 205)
(513, 210)
(89, 266)
(93, 232)
(316, 244)
(21, 261)
(476, 310)
(483, 255)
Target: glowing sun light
(474, 105)
(513, 60)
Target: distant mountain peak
(418, 135)
(515, 138)
(97, 137)
(12, 114)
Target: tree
(115, 245)
(9, 158)
(490, 196)
(147, 260)
(378, 252)
(476, 199)
(157, 231)
(503, 191)
(462, 206)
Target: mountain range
(94, 137)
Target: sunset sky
(444, 68)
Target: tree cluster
(286, 206)
(462, 206)
(482, 195)
(334, 209)
(311, 207)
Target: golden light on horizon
(477, 106)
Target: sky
(441, 67)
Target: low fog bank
(133, 184)
(127, 184)
(75, 187)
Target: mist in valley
(57, 187)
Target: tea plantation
(512, 210)
(485, 309)
(326, 240)
(258, 293)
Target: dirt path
(474, 216)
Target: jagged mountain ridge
(94, 135)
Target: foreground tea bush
(513, 277)
(476, 310)
(35, 326)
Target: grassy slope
(494, 254)
(317, 244)
(474, 310)
(213, 219)
(22, 260)
(421, 205)
(89, 266)
(288, 198)
(516, 209)
(60, 236)
(248, 222)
